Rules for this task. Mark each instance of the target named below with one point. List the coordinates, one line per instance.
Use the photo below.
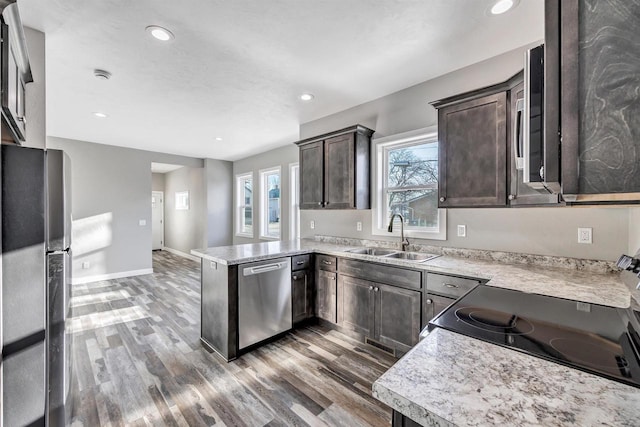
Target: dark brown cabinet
(472, 135)
(335, 170)
(301, 295)
(387, 314)
(326, 287)
(16, 73)
(434, 305)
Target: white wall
(111, 193)
(219, 179)
(157, 182)
(185, 229)
(35, 104)
(282, 157)
(634, 231)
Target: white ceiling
(163, 167)
(236, 67)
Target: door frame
(161, 219)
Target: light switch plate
(585, 235)
(359, 226)
(86, 265)
(312, 224)
(142, 222)
(462, 231)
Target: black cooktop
(594, 338)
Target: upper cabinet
(593, 73)
(16, 73)
(335, 171)
(480, 141)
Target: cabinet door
(356, 300)
(435, 304)
(311, 175)
(397, 314)
(326, 295)
(472, 152)
(301, 295)
(521, 194)
(339, 178)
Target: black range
(594, 338)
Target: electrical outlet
(585, 235)
(359, 226)
(312, 224)
(86, 265)
(462, 231)
(142, 222)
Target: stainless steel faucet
(404, 242)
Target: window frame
(264, 202)
(294, 200)
(240, 179)
(379, 209)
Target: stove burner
(494, 321)
(597, 356)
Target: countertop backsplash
(585, 265)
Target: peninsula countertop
(587, 286)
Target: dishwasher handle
(250, 271)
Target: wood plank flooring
(138, 361)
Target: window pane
(246, 213)
(418, 207)
(413, 166)
(273, 211)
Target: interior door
(157, 219)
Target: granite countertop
(581, 285)
(451, 379)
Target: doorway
(157, 220)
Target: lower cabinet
(325, 300)
(301, 295)
(387, 314)
(434, 305)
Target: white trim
(237, 217)
(161, 219)
(264, 211)
(294, 193)
(182, 254)
(110, 276)
(380, 144)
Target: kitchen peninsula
(488, 371)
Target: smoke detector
(101, 74)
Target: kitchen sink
(391, 253)
(372, 251)
(411, 256)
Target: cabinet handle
(326, 203)
(320, 204)
(300, 262)
(442, 199)
(370, 288)
(512, 197)
(451, 285)
(295, 277)
(376, 289)
(326, 262)
(429, 301)
(22, 119)
(333, 278)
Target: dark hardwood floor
(138, 361)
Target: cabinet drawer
(300, 262)
(381, 273)
(325, 262)
(449, 285)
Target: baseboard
(182, 254)
(119, 275)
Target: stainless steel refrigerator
(35, 266)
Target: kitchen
(548, 233)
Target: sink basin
(412, 256)
(373, 251)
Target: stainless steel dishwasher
(264, 300)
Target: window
(407, 184)
(270, 204)
(294, 222)
(244, 205)
(182, 200)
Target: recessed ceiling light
(218, 138)
(100, 115)
(160, 33)
(306, 96)
(502, 6)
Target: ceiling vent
(102, 74)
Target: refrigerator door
(58, 264)
(58, 200)
(23, 285)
